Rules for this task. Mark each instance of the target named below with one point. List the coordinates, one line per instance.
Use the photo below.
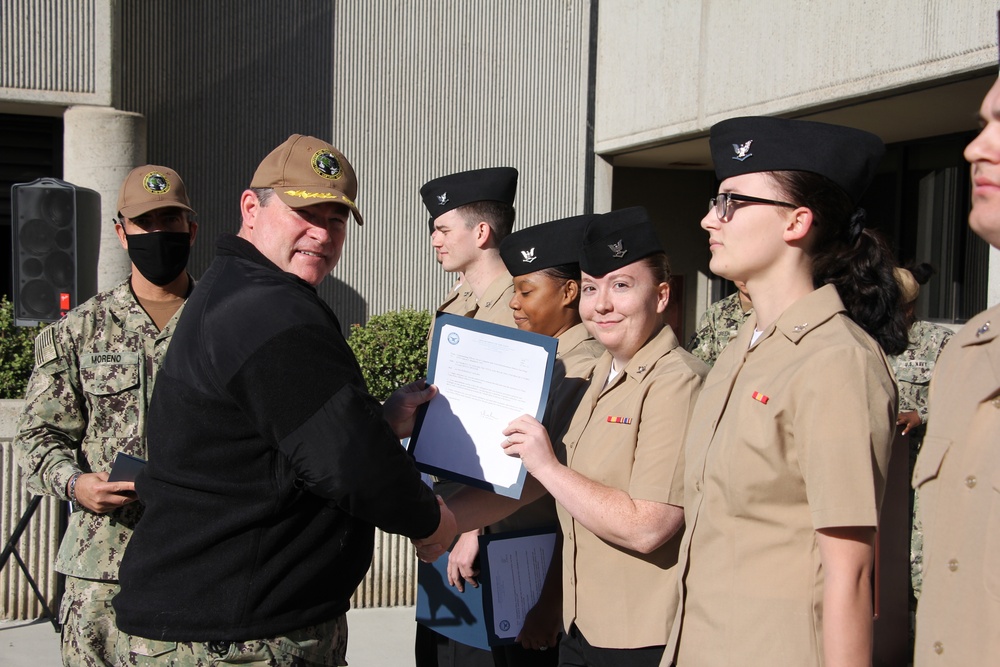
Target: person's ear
(798, 224)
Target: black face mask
(159, 256)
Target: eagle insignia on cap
(442, 199)
(742, 152)
(617, 250)
(326, 164)
(529, 256)
(156, 183)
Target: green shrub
(392, 349)
(17, 352)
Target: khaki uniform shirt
(460, 301)
(576, 355)
(629, 435)
(493, 306)
(85, 402)
(788, 437)
(958, 477)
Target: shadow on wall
(221, 84)
(349, 306)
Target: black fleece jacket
(269, 465)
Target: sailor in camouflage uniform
(913, 369)
(719, 324)
(86, 401)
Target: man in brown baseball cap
(87, 402)
(271, 462)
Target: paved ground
(378, 638)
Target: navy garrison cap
(617, 239)
(543, 246)
(845, 155)
(449, 192)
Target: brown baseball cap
(305, 170)
(150, 187)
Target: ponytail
(855, 260)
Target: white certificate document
(514, 566)
(486, 375)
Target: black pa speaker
(56, 230)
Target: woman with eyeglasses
(789, 443)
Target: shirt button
(938, 648)
(697, 485)
(953, 564)
(970, 481)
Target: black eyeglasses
(723, 203)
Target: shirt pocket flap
(103, 374)
(932, 454)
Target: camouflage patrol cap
(150, 187)
(304, 171)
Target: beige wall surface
(56, 51)
(673, 69)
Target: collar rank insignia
(529, 256)
(442, 199)
(617, 250)
(983, 329)
(742, 152)
(619, 420)
(757, 396)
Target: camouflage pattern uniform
(85, 402)
(321, 644)
(913, 369)
(720, 323)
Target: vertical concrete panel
(38, 544)
(427, 88)
(100, 147)
(56, 50)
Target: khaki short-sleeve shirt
(629, 435)
(576, 355)
(958, 476)
(789, 436)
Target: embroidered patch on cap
(757, 396)
(156, 183)
(442, 199)
(529, 255)
(619, 420)
(326, 164)
(617, 249)
(743, 151)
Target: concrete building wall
(426, 88)
(56, 52)
(667, 70)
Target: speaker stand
(10, 549)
